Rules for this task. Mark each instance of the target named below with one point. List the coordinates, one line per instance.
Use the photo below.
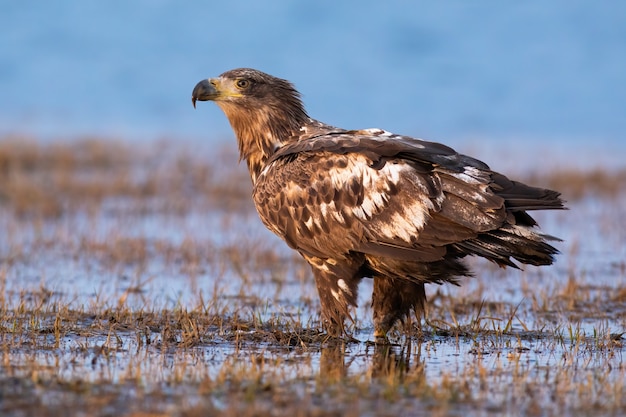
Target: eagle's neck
(261, 131)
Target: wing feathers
(418, 253)
(395, 197)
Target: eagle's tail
(520, 197)
(511, 241)
(517, 239)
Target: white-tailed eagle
(370, 203)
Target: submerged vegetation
(136, 280)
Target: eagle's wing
(373, 192)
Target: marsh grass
(137, 281)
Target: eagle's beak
(205, 90)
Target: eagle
(368, 203)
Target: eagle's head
(246, 87)
(264, 111)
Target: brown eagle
(370, 203)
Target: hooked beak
(205, 90)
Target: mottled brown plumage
(369, 203)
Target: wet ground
(139, 281)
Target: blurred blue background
(451, 71)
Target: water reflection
(381, 360)
(334, 362)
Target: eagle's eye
(242, 83)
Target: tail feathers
(518, 242)
(519, 196)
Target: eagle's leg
(337, 282)
(393, 299)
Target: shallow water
(550, 331)
(56, 255)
